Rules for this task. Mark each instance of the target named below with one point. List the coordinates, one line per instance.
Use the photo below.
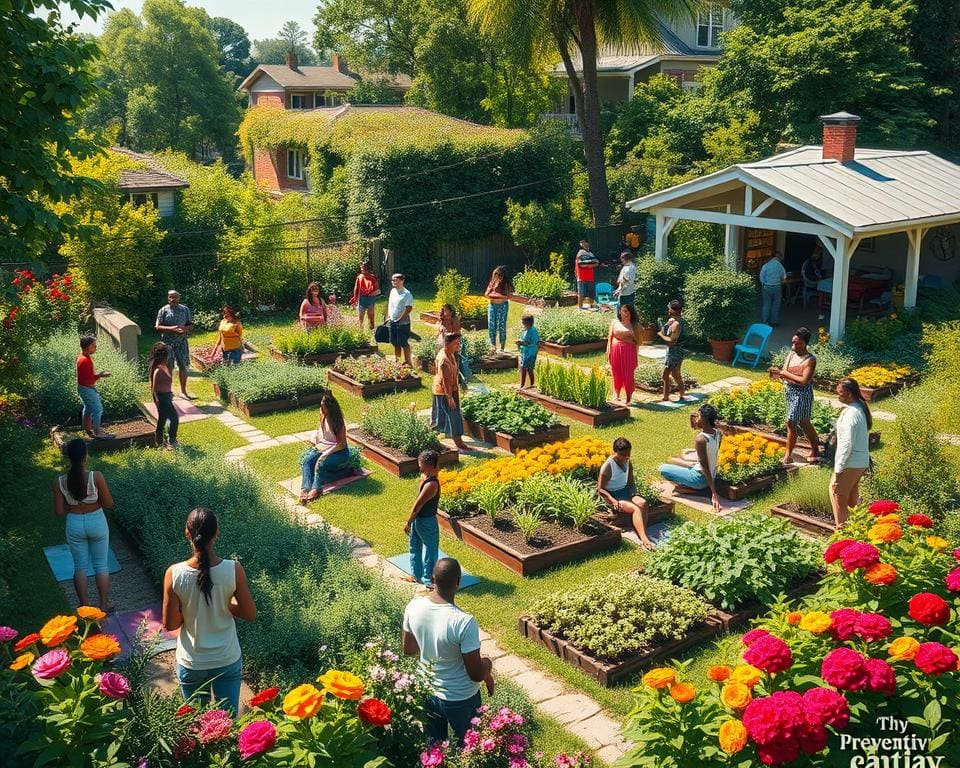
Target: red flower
(880, 677)
(844, 623)
(374, 712)
(859, 555)
(929, 609)
(921, 521)
(186, 709)
(872, 627)
(753, 635)
(778, 753)
(834, 550)
(772, 719)
(183, 748)
(26, 640)
(264, 696)
(844, 668)
(770, 654)
(828, 706)
(935, 659)
(811, 734)
(883, 507)
(953, 580)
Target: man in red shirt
(87, 389)
(584, 265)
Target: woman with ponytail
(81, 495)
(202, 597)
(852, 458)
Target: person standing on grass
(797, 377)
(618, 489)
(626, 280)
(230, 336)
(622, 351)
(450, 323)
(313, 309)
(772, 275)
(445, 415)
(81, 495)
(448, 640)
(529, 343)
(174, 323)
(161, 387)
(422, 526)
(202, 597)
(853, 449)
(328, 457)
(366, 288)
(87, 389)
(673, 333)
(399, 309)
(701, 476)
(585, 264)
(498, 294)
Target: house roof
(318, 77)
(151, 178)
(879, 189)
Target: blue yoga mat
(402, 562)
(61, 562)
(673, 405)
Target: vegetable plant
(571, 326)
(399, 428)
(322, 340)
(578, 502)
(572, 384)
(268, 380)
(528, 523)
(539, 284)
(371, 369)
(507, 412)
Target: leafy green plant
(810, 492)
(651, 375)
(658, 282)
(762, 405)
(528, 523)
(572, 384)
(735, 560)
(322, 340)
(833, 362)
(539, 284)
(578, 502)
(645, 489)
(490, 498)
(876, 335)
(371, 369)
(719, 304)
(571, 326)
(399, 428)
(539, 495)
(451, 288)
(619, 615)
(507, 412)
(268, 379)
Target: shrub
(268, 380)
(572, 384)
(317, 341)
(658, 282)
(337, 269)
(571, 326)
(944, 364)
(533, 226)
(719, 303)
(938, 305)
(507, 412)
(619, 615)
(746, 456)
(451, 288)
(875, 335)
(833, 362)
(762, 404)
(651, 375)
(538, 284)
(53, 379)
(735, 560)
(399, 428)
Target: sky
(260, 19)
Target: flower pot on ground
(658, 283)
(648, 333)
(722, 350)
(719, 305)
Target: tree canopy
(233, 43)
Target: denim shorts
(88, 537)
(366, 302)
(233, 355)
(92, 404)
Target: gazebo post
(841, 283)
(915, 240)
(662, 237)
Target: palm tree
(577, 29)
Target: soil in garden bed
(548, 534)
(807, 520)
(136, 431)
(393, 460)
(687, 384)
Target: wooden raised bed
(809, 523)
(568, 299)
(735, 492)
(138, 431)
(569, 350)
(514, 443)
(802, 442)
(325, 358)
(591, 416)
(608, 673)
(525, 563)
(270, 406)
(655, 514)
(373, 390)
(394, 462)
(869, 393)
(493, 362)
(477, 324)
(250, 352)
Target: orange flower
(343, 685)
(58, 629)
(885, 533)
(903, 649)
(733, 736)
(880, 573)
(736, 696)
(718, 673)
(660, 677)
(100, 647)
(89, 612)
(746, 674)
(816, 622)
(22, 660)
(892, 517)
(303, 701)
(793, 618)
(682, 692)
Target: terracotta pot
(722, 350)
(648, 333)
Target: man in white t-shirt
(447, 638)
(772, 275)
(627, 279)
(399, 307)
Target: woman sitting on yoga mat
(328, 457)
(701, 476)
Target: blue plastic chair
(605, 296)
(747, 350)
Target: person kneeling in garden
(617, 488)
(447, 639)
(328, 457)
(422, 526)
(707, 446)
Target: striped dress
(799, 399)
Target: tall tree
(935, 42)
(233, 43)
(107, 114)
(290, 39)
(46, 80)
(577, 29)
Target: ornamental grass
(746, 456)
(328, 338)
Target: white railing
(569, 120)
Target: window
(710, 26)
(294, 164)
(142, 198)
(301, 101)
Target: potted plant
(657, 283)
(718, 307)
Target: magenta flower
(51, 664)
(214, 724)
(113, 685)
(256, 738)
(433, 757)
(7, 634)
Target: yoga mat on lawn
(186, 410)
(125, 626)
(658, 405)
(402, 562)
(292, 485)
(60, 561)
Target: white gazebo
(845, 197)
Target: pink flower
(880, 677)
(433, 757)
(844, 623)
(953, 580)
(51, 664)
(834, 550)
(770, 654)
(7, 634)
(488, 745)
(935, 659)
(113, 685)
(828, 706)
(956, 554)
(214, 724)
(256, 738)
(872, 627)
(470, 740)
(859, 555)
(516, 743)
(772, 719)
(844, 668)
(753, 635)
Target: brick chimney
(839, 136)
(337, 63)
(291, 60)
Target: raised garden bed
(744, 614)
(393, 461)
(805, 521)
(737, 491)
(375, 389)
(500, 361)
(269, 406)
(552, 545)
(129, 434)
(802, 442)
(593, 417)
(687, 385)
(656, 513)
(324, 358)
(568, 299)
(568, 350)
(514, 443)
(476, 324)
(201, 364)
(869, 393)
(608, 673)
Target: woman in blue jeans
(81, 495)
(707, 446)
(202, 597)
(328, 457)
(498, 293)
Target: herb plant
(736, 560)
(571, 383)
(578, 502)
(571, 326)
(399, 428)
(762, 404)
(651, 375)
(322, 340)
(371, 369)
(268, 380)
(507, 412)
(490, 498)
(537, 284)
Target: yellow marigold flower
(100, 647)
(89, 612)
(732, 736)
(660, 677)
(881, 533)
(747, 674)
(719, 672)
(816, 622)
(736, 695)
(23, 660)
(743, 458)
(793, 618)
(937, 544)
(343, 685)
(682, 692)
(58, 629)
(892, 517)
(303, 701)
(903, 649)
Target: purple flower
(7, 634)
(113, 685)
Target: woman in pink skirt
(622, 350)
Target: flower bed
(371, 376)
(472, 314)
(876, 381)
(510, 422)
(648, 377)
(268, 386)
(564, 332)
(393, 436)
(202, 358)
(570, 391)
(761, 405)
(323, 345)
(748, 457)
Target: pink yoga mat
(125, 626)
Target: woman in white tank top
(696, 479)
(202, 597)
(617, 488)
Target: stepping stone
(701, 502)
(652, 352)
(884, 415)
(570, 708)
(658, 405)
(738, 380)
(538, 687)
(292, 486)
(60, 560)
(187, 410)
(598, 731)
(658, 533)
(402, 561)
(126, 625)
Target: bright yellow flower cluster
(873, 376)
(746, 450)
(473, 305)
(556, 458)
